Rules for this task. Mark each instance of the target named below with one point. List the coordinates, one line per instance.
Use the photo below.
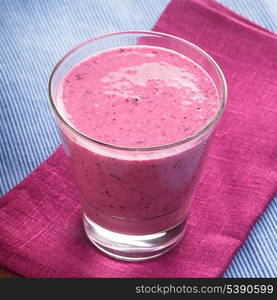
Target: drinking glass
(135, 201)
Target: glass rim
(197, 134)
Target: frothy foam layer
(138, 96)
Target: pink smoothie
(138, 96)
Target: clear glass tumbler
(135, 201)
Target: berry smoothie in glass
(136, 111)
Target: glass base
(133, 247)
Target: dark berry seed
(115, 176)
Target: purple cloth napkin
(41, 233)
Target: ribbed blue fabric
(34, 35)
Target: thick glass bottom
(133, 247)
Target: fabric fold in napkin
(41, 233)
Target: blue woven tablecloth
(35, 34)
